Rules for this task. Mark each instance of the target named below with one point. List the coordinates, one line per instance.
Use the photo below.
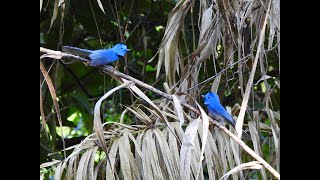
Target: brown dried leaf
(205, 127)
(245, 100)
(178, 109)
(150, 161)
(97, 116)
(185, 152)
(215, 84)
(128, 165)
(58, 172)
(54, 99)
(41, 1)
(71, 169)
(100, 5)
(51, 163)
(249, 165)
(110, 174)
(55, 13)
(256, 140)
(166, 155)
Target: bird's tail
(245, 135)
(76, 51)
(248, 137)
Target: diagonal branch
(116, 74)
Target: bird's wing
(101, 57)
(76, 51)
(219, 109)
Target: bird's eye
(209, 97)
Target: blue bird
(217, 111)
(101, 56)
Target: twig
(113, 72)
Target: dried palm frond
(159, 148)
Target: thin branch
(214, 76)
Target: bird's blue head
(120, 49)
(210, 98)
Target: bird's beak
(128, 50)
(202, 96)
